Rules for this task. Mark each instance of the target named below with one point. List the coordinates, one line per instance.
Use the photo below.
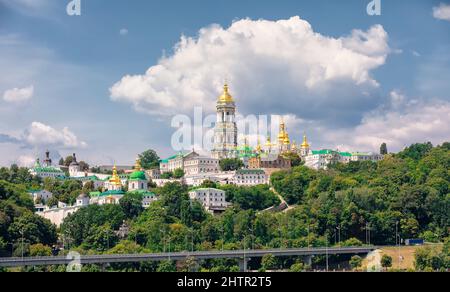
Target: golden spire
(226, 96)
(137, 165)
(305, 142)
(115, 179)
(269, 142)
(294, 146)
(258, 146)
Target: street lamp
(326, 247)
(21, 233)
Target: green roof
(138, 175)
(47, 169)
(94, 194)
(250, 171)
(170, 158)
(34, 191)
(143, 193)
(84, 178)
(112, 193)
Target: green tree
(149, 159)
(131, 205)
(231, 164)
(355, 262)
(166, 267)
(297, 268)
(40, 250)
(386, 261)
(178, 173)
(269, 262)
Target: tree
(83, 166)
(269, 262)
(297, 268)
(149, 159)
(386, 261)
(167, 175)
(178, 173)
(383, 149)
(40, 250)
(166, 267)
(231, 164)
(131, 205)
(61, 161)
(355, 262)
(207, 184)
(172, 195)
(295, 159)
(68, 161)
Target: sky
(107, 84)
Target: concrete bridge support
(243, 264)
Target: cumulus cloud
(26, 161)
(408, 121)
(264, 62)
(18, 95)
(442, 12)
(39, 135)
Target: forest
(348, 204)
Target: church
(226, 136)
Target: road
(133, 258)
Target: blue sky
(62, 69)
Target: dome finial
(226, 96)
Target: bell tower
(225, 133)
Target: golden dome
(305, 142)
(286, 140)
(226, 96)
(115, 179)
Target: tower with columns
(226, 132)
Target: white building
(249, 177)
(107, 198)
(370, 156)
(217, 177)
(323, 158)
(200, 164)
(58, 214)
(46, 169)
(213, 200)
(41, 195)
(138, 179)
(177, 162)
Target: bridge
(242, 255)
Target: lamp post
(326, 247)
(339, 234)
(397, 243)
(21, 233)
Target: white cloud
(39, 134)
(123, 31)
(416, 122)
(442, 12)
(264, 61)
(26, 160)
(18, 95)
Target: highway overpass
(136, 258)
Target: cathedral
(226, 135)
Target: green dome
(138, 175)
